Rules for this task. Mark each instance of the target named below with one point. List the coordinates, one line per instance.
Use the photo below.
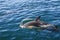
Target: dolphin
(37, 23)
(33, 23)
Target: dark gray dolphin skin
(37, 22)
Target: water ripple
(12, 12)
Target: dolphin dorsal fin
(38, 18)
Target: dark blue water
(12, 12)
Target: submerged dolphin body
(37, 23)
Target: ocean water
(12, 12)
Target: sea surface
(12, 12)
